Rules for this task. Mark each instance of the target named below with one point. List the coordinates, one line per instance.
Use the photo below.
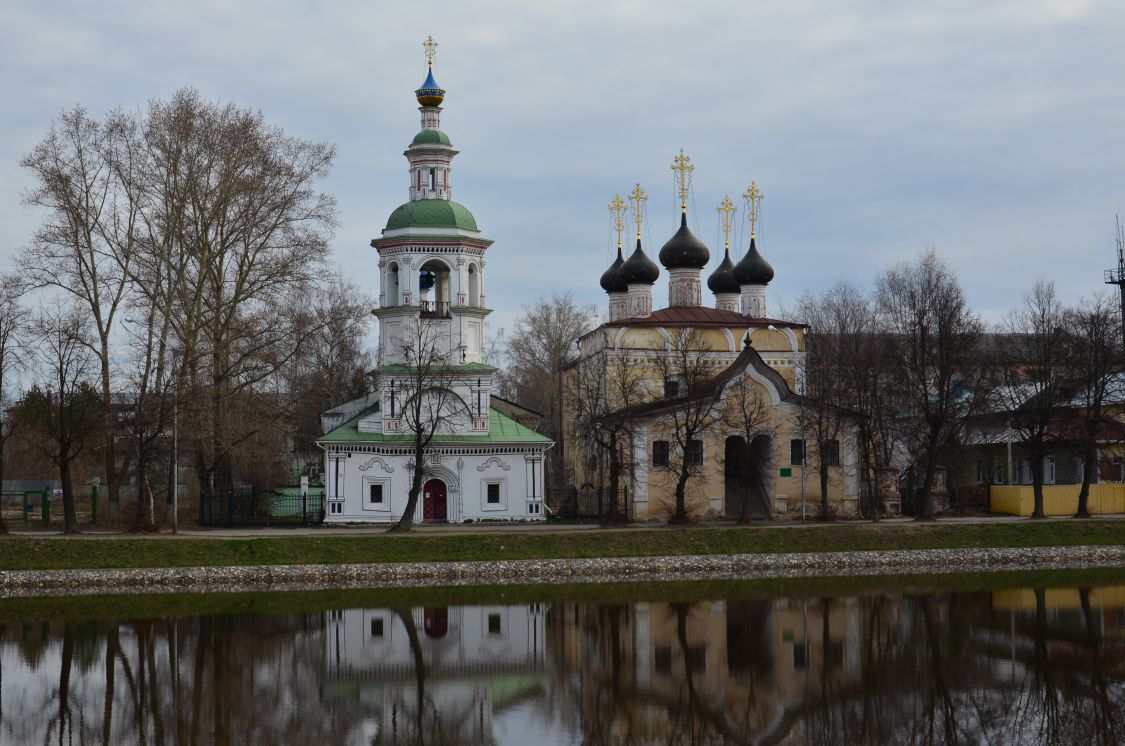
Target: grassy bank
(35, 553)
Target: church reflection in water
(1010, 666)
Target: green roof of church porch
(501, 429)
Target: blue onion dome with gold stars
(639, 269)
(753, 269)
(430, 94)
(612, 281)
(722, 279)
(684, 250)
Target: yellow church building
(695, 411)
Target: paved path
(535, 528)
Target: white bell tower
(432, 269)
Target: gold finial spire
(753, 197)
(726, 210)
(638, 198)
(681, 164)
(430, 46)
(617, 210)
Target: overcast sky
(990, 130)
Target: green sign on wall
(787, 472)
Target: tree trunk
(612, 514)
(680, 515)
(924, 507)
(822, 473)
(110, 690)
(144, 521)
(1088, 467)
(112, 483)
(70, 515)
(66, 658)
(406, 522)
(1037, 481)
(3, 524)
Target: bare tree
(833, 320)
(541, 343)
(934, 341)
(424, 399)
(67, 412)
(606, 388)
(1094, 368)
(1032, 362)
(13, 336)
(333, 364)
(687, 367)
(82, 246)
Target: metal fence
(248, 507)
(586, 502)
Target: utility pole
(1117, 276)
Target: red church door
(433, 500)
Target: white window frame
(365, 498)
(488, 507)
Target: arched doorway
(435, 621)
(434, 501)
(746, 468)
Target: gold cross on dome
(681, 164)
(617, 213)
(726, 210)
(430, 46)
(638, 198)
(753, 197)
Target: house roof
(715, 385)
(699, 316)
(501, 429)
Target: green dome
(430, 137)
(432, 213)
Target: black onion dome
(684, 250)
(638, 268)
(753, 269)
(722, 279)
(611, 279)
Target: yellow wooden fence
(1058, 499)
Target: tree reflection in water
(1012, 666)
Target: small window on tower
(433, 178)
(671, 389)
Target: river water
(1013, 665)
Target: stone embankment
(608, 570)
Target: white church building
(485, 461)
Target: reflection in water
(1012, 666)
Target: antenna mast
(1117, 276)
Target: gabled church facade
(749, 456)
(484, 461)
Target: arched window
(392, 296)
(433, 287)
(474, 285)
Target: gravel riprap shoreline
(15, 583)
